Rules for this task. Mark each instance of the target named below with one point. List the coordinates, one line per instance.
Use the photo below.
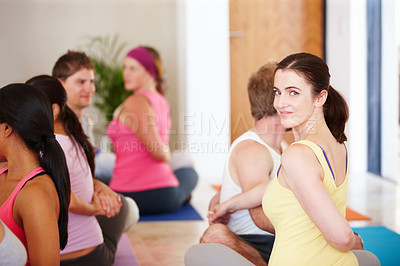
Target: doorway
(261, 30)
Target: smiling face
(135, 75)
(80, 89)
(294, 99)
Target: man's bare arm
(251, 164)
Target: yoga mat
(216, 186)
(185, 213)
(124, 254)
(352, 215)
(384, 243)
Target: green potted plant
(105, 52)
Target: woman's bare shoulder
(299, 159)
(297, 152)
(41, 189)
(136, 103)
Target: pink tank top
(6, 210)
(135, 169)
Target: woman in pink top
(140, 134)
(97, 215)
(34, 187)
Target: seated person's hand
(96, 204)
(215, 201)
(219, 212)
(109, 200)
(220, 220)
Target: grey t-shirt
(87, 127)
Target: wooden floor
(165, 243)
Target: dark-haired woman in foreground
(306, 201)
(34, 186)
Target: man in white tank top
(253, 158)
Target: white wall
(34, 33)
(207, 121)
(346, 58)
(358, 129)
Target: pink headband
(144, 58)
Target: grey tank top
(12, 251)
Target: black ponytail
(72, 126)
(316, 72)
(28, 111)
(53, 161)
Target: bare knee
(216, 233)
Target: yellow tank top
(298, 241)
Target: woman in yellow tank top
(306, 200)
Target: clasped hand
(108, 201)
(219, 214)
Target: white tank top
(240, 222)
(12, 251)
